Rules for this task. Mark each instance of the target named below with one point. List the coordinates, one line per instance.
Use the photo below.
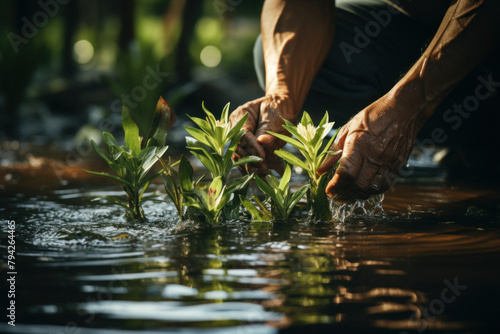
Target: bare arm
(296, 37)
(376, 143)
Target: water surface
(429, 263)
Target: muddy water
(429, 264)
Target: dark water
(429, 264)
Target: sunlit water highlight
(85, 268)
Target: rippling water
(429, 263)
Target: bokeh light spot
(83, 51)
(210, 56)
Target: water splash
(368, 208)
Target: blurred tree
(71, 16)
(127, 21)
(190, 15)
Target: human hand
(264, 114)
(375, 145)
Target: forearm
(296, 37)
(466, 35)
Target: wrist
(281, 94)
(411, 93)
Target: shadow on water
(430, 263)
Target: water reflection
(83, 266)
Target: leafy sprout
(209, 141)
(213, 143)
(133, 161)
(283, 201)
(308, 139)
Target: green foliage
(171, 180)
(213, 143)
(283, 201)
(209, 140)
(214, 202)
(308, 139)
(132, 162)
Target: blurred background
(66, 66)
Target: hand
(263, 115)
(375, 145)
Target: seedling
(283, 201)
(130, 162)
(194, 200)
(214, 143)
(211, 203)
(309, 141)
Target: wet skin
(377, 141)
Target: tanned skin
(376, 142)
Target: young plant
(130, 162)
(283, 201)
(309, 141)
(210, 203)
(208, 143)
(214, 143)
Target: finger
(346, 174)
(364, 186)
(379, 183)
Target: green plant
(130, 162)
(283, 201)
(209, 142)
(210, 203)
(309, 141)
(194, 200)
(214, 143)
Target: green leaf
(250, 208)
(202, 124)
(296, 197)
(219, 138)
(291, 159)
(207, 162)
(161, 152)
(185, 174)
(101, 153)
(149, 158)
(306, 119)
(330, 142)
(272, 181)
(161, 122)
(198, 135)
(216, 186)
(324, 120)
(285, 179)
(109, 139)
(265, 188)
(210, 116)
(110, 176)
(264, 212)
(293, 130)
(238, 126)
(292, 141)
(225, 114)
(132, 138)
(247, 160)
